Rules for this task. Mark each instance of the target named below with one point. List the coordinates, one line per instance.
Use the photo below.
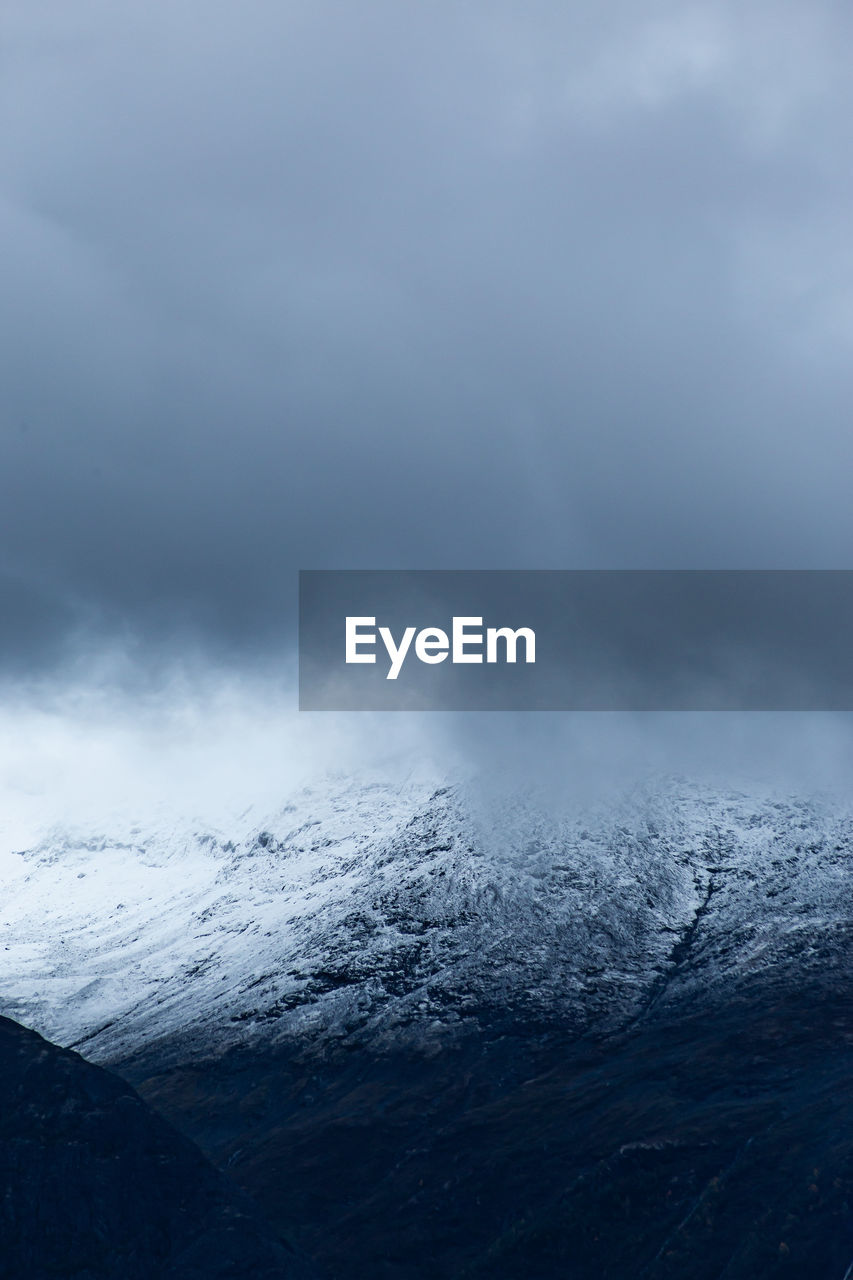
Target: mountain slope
(372, 908)
(690, 1147)
(456, 1030)
(95, 1186)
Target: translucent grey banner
(576, 640)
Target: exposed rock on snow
(365, 905)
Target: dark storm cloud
(337, 285)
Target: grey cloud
(382, 285)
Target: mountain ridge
(390, 911)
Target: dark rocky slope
(715, 1144)
(96, 1186)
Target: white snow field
(367, 905)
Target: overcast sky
(311, 284)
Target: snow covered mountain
(386, 910)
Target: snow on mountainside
(375, 906)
